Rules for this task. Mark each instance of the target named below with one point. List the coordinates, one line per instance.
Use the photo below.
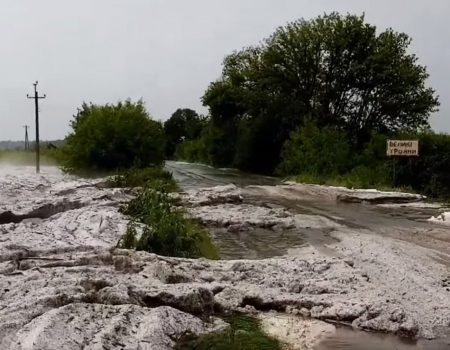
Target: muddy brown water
(259, 243)
(192, 176)
(398, 222)
(349, 339)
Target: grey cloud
(167, 51)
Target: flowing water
(191, 176)
(258, 243)
(263, 243)
(349, 339)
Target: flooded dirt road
(306, 260)
(332, 227)
(191, 176)
(408, 221)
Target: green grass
(158, 226)
(244, 333)
(205, 245)
(151, 177)
(351, 180)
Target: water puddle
(417, 214)
(257, 243)
(349, 339)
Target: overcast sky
(168, 51)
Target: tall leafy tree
(336, 71)
(184, 124)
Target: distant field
(15, 157)
(20, 145)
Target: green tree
(318, 152)
(226, 104)
(183, 125)
(334, 70)
(428, 173)
(109, 137)
(347, 75)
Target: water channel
(261, 243)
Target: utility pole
(27, 141)
(36, 98)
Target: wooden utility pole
(36, 98)
(27, 141)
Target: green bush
(314, 151)
(365, 177)
(220, 145)
(184, 125)
(359, 177)
(192, 151)
(430, 172)
(159, 227)
(111, 137)
(257, 149)
(369, 166)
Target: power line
(27, 141)
(36, 98)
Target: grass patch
(159, 227)
(353, 179)
(205, 245)
(244, 333)
(154, 177)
